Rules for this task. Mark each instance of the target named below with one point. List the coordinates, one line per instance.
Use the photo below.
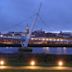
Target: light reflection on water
(8, 50)
(53, 50)
(48, 50)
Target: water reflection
(47, 50)
(59, 50)
(64, 49)
(53, 50)
(8, 50)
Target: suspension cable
(20, 23)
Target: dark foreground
(40, 59)
(44, 63)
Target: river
(48, 50)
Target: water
(53, 50)
(47, 50)
(8, 50)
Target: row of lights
(47, 39)
(32, 63)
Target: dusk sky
(14, 15)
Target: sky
(16, 14)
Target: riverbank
(40, 59)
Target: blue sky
(56, 13)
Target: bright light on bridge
(1, 35)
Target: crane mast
(25, 43)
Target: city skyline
(56, 13)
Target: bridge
(27, 41)
(36, 42)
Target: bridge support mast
(27, 38)
(25, 43)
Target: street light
(60, 63)
(32, 63)
(2, 62)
